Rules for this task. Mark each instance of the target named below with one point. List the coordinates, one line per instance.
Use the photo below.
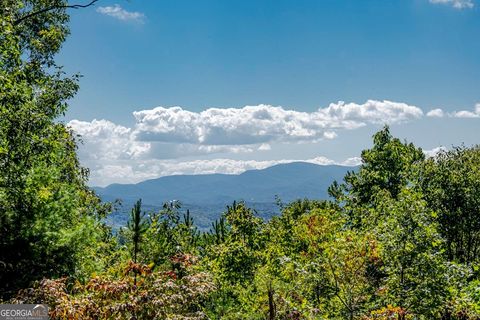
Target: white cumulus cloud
(116, 11)
(458, 4)
(436, 113)
(467, 114)
(105, 140)
(264, 123)
(439, 113)
(164, 140)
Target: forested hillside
(399, 239)
(207, 195)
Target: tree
(337, 262)
(415, 273)
(217, 233)
(386, 166)
(234, 261)
(347, 261)
(137, 225)
(49, 218)
(450, 183)
(31, 14)
(238, 255)
(170, 233)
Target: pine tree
(137, 225)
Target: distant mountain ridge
(214, 191)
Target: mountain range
(207, 195)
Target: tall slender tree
(137, 225)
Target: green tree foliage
(218, 232)
(237, 257)
(450, 183)
(386, 166)
(233, 255)
(336, 263)
(415, 274)
(169, 233)
(137, 225)
(48, 217)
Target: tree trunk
(135, 249)
(271, 304)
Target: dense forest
(399, 239)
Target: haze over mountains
(207, 195)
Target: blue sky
(291, 61)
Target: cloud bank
(264, 123)
(162, 136)
(174, 132)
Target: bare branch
(68, 6)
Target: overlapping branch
(66, 6)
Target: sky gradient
(176, 86)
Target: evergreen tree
(137, 225)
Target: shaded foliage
(49, 219)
